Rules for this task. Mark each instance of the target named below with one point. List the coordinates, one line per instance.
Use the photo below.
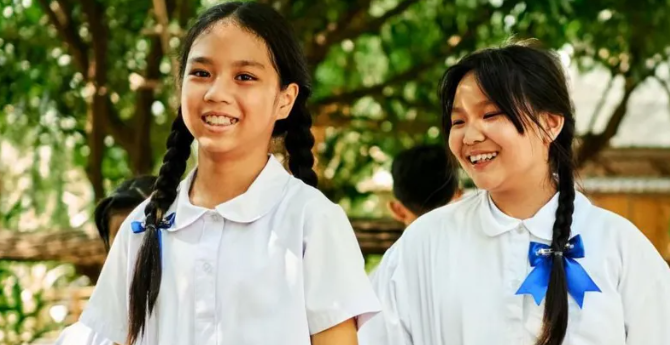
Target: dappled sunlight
(88, 94)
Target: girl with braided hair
(528, 260)
(240, 251)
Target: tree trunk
(72, 246)
(141, 157)
(96, 145)
(591, 143)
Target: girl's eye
(457, 122)
(200, 73)
(244, 77)
(491, 115)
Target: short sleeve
(645, 291)
(386, 328)
(80, 334)
(106, 312)
(336, 285)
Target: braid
(299, 142)
(556, 307)
(147, 274)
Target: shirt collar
(261, 197)
(540, 225)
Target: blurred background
(87, 96)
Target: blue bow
(139, 227)
(540, 257)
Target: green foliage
(25, 312)
(375, 74)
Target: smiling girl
(527, 260)
(240, 251)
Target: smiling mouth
(482, 158)
(219, 120)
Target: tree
(93, 80)
(87, 85)
(624, 37)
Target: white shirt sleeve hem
(362, 308)
(104, 328)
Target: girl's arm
(341, 334)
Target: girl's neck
(220, 179)
(524, 201)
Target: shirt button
(207, 267)
(215, 217)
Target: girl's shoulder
(608, 228)
(445, 223)
(302, 196)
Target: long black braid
(147, 274)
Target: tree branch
(601, 103)
(117, 128)
(351, 25)
(404, 126)
(665, 85)
(99, 121)
(61, 17)
(185, 11)
(281, 6)
(372, 24)
(592, 143)
(161, 9)
(438, 57)
(100, 39)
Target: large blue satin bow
(540, 257)
(139, 227)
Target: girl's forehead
(228, 40)
(469, 91)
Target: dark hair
(290, 63)
(125, 197)
(525, 81)
(424, 178)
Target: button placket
(519, 241)
(205, 282)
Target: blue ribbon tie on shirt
(139, 227)
(540, 257)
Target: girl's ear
(553, 124)
(286, 100)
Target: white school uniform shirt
(458, 268)
(78, 333)
(273, 266)
(380, 279)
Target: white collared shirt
(455, 271)
(273, 266)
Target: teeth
(220, 120)
(485, 156)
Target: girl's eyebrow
(240, 63)
(248, 63)
(201, 60)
